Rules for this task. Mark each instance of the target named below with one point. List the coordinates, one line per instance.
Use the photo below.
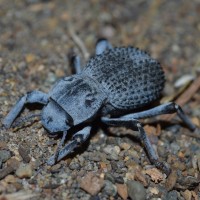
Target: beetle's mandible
(113, 85)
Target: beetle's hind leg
(166, 108)
(79, 138)
(102, 45)
(30, 97)
(136, 125)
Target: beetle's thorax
(79, 96)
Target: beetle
(113, 85)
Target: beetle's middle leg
(136, 125)
(79, 138)
(166, 108)
(30, 97)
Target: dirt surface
(36, 38)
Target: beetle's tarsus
(63, 152)
(162, 166)
(55, 156)
(79, 138)
(184, 117)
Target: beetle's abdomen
(129, 77)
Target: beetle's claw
(164, 167)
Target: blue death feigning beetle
(112, 86)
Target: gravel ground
(36, 39)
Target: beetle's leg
(166, 108)
(102, 45)
(60, 145)
(136, 125)
(76, 64)
(30, 97)
(80, 137)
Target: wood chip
(155, 174)
(18, 196)
(185, 97)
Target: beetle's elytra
(115, 83)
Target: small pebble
(122, 191)
(55, 168)
(113, 152)
(174, 147)
(109, 188)
(186, 194)
(119, 180)
(171, 180)
(187, 182)
(4, 155)
(10, 179)
(124, 146)
(24, 153)
(173, 195)
(153, 190)
(136, 190)
(3, 145)
(74, 166)
(24, 171)
(139, 176)
(179, 165)
(12, 165)
(109, 177)
(91, 183)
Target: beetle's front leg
(136, 125)
(79, 138)
(30, 97)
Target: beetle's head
(55, 119)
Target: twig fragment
(78, 41)
(184, 97)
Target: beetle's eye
(89, 102)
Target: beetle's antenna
(24, 119)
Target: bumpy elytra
(114, 83)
